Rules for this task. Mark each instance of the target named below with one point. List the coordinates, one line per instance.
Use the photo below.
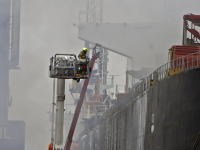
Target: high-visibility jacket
(82, 55)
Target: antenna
(94, 11)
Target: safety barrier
(171, 68)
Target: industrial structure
(12, 132)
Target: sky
(47, 28)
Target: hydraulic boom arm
(79, 104)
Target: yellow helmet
(85, 49)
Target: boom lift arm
(80, 102)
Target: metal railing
(171, 68)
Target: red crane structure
(195, 21)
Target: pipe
(127, 81)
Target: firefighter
(82, 54)
(83, 68)
(151, 82)
(50, 146)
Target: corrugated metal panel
(180, 51)
(189, 60)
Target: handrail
(171, 68)
(65, 55)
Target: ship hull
(175, 104)
(162, 117)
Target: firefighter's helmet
(85, 49)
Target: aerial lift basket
(67, 66)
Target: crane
(66, 66)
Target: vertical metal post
(97, 90)
(167, 72)
(159, 74)
(116, 90)
(88, 112)
(173, 68)
(5, 9)
(126, 86)
(93, 11)
(184, 32)
(88, 8)
(191, 33)
(192, 61)
(183, 64)
(60, 112)
(53, 104)
(104, 66)
(101, 11)
(109, 101)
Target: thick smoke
(47, 28)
